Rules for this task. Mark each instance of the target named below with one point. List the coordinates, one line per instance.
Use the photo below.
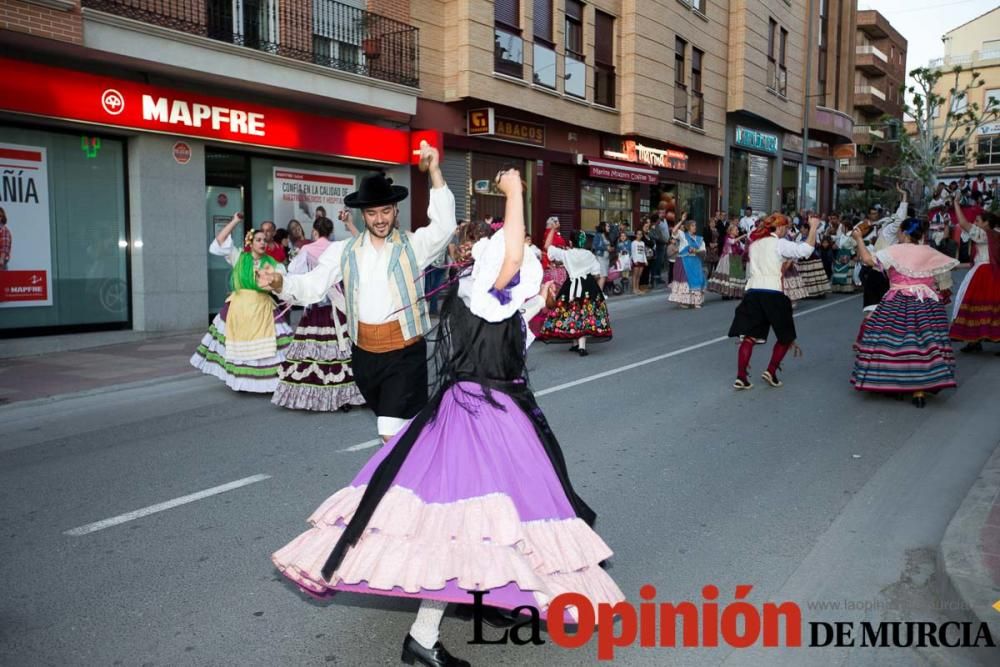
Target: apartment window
(697, 100)
(782, 70)
(821, 55)
(989, 151)
(544, 53)
(697, 5)
(956, 151)
(680, 88)
(959, 105)
(508, 47)
(772, 61)
(604, 59)
(994, 95)
(777, 75)
(576, 68)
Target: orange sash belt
(381, 338)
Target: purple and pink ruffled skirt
(476, 506)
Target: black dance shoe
(492, 616)
(574, 348)
(583, 352)
(972, 347)
(919, 401)
(414, 654)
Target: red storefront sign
(54, 92)
(621, 172)
(23, 286)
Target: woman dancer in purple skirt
(474, 494)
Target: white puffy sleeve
(312, 287)
(227, 250)
(477, 290)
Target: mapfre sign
(41, 90)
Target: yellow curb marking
(996, 605)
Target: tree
(941, 139)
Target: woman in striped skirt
(904, 346)
(729, 278)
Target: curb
(966, 586)
(96, 391)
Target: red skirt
(977, 315)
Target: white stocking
(425, 629)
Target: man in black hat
(384, 289)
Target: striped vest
(407, 290)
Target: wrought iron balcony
(324, 32)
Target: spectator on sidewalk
(638, 255)
(272, 248)
(600, 248)
(6, 241)
(748, 222)
(661, 236)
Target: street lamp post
(804, 176)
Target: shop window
(486, 199)
(600, 202)
(69, 226)
(508, 47)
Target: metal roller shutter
(455, 168)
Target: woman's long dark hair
(468, 348)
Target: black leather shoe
(583, 352)
(492, 616)
(414, 654)
(919, 401)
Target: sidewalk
(53, 373)
(969, 554)
(47, 366)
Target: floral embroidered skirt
(584, 315)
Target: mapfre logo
(112, 101)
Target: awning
(613, 170)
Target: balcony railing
(868, 130)
(965, 58)
(874, 51)
(324, 32)
(869, 90)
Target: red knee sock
(780, 350)
(743, 358)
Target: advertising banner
(24, 197)
(298, 193)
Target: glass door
(221, 202)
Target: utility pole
(804, 174)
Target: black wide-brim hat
(376, 190)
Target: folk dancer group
(471, 492)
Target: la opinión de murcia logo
(113, 101)
(712, 623)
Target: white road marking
(153, 509)
(374, 442)
(621, 369)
